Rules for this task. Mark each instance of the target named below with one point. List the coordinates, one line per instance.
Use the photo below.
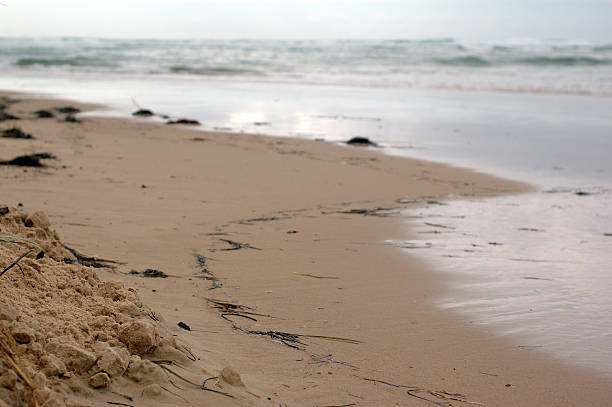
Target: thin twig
(437, 403)
(237, 315)
(13, 264)
(384, 382)
(125, 396)
(91, 261)
(201, 387)
(315, 276)
(175, 394)
(332, 338)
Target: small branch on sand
(290, 339)
(229, 309)
(287, 339)
(91, 261)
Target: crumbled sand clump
(63, 331)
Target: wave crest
(214, 71)
(468, 60)
(75, 62)
(564, 61)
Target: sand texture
(249, 270)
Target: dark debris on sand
(29, 160)
(190, 122)
(16, 133)
(44, 114)
(361, 142)
(7, 116)
(151, 273)
(143, 113)
(68, 110)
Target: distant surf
(437, 63)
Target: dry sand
(156, 196)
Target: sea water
(533, 266)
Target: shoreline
(143, 226)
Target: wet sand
(154, 196)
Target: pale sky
(474, 20)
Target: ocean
(534, 267)
(527, 66)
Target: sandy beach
(288, 237)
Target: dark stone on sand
(44, 114)
(184, 326)
(29, 160)
(184, 121)
(7, 116)
(16, 133)
(143, 113)
(361, 142)
(68, 110)
(4, 209)
(71, 119)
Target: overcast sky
(474, 20)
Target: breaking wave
(214, 71)
(73, 62)
(574, 67)
(469, 60)
(564, 61)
